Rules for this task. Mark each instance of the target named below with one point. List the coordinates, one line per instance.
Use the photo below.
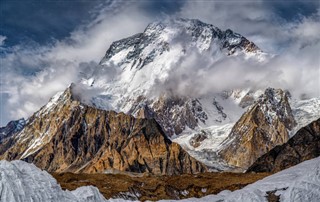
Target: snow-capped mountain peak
(134, 69)
(160, 37)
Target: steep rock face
(11, 128)
(264, 126)
(66, 135)
(174, 114)
(304, 145)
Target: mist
(32, 73)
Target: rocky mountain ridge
(66, 135)
(304, 145)
(265, 125)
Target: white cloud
(248, 18)
(295, 68)
(296, 44)
(254, 20)
(196, 76)
(31, 75)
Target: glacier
(21, 181)
(299, 183)
(24, 182)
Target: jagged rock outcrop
(66, 135)
(175, 114)
(172, 113)
(264, 126)
(304, 145)
(196, 140)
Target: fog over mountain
(159, 100)
(42, 69)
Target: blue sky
(38, 38)
(46, 21)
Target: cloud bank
(32, 73)
(295, 65)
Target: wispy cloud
(31, 73)
(296, 45)
(261, 21)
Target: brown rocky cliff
(70, 136)
(304, 145)
(264, 126)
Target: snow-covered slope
(23, 182)
(206, 143)
(305, 111)
(135, 74)
(144, 60)
(299, 184)
(203, 145)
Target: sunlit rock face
(304, 145)
(66, 135)
(264, 126)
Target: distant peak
(275, 103)
(275, 95)
(161, 36)
(12, 128)
(178, 23)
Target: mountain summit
(136, 72)
(161, 37)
